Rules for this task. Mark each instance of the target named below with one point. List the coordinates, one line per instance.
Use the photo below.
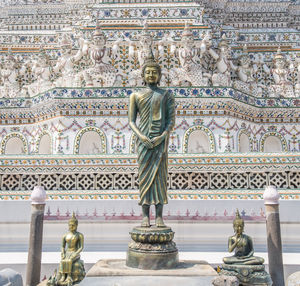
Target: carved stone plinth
(115, 272)
(152, 248)
(247, 274)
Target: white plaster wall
(45, 145)
(198, 142)
(244, 145)
(64, 130)
(272, 144)
(14, 145)
(90, 143)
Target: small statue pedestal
(152, 248)
(247, 274)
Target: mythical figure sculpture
(245, 71)
(157, 117)
(146, 42)
(249, 269)
(9, 76)
(71, 268)
(101, 74)
(222, 75)
(42, 69)
(189, 56)
(297, 86)
(282, 87)
(66, 64)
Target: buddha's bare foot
(159, 216)
(146, 216)
(145, 222)
(159, 222)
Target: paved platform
(50, 260)
(114, 271)
(147, 281)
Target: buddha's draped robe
(243, 252)
(157, 114)
(73, 242)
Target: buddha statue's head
(73, 223)
(238, 223)
(151, 71)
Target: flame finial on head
(238, 220)
(73, 219)
(150, 58)
(237, 214)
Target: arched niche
(45, 144)
(273, 142)
(244, 142)
(198, 142)
(198, 139)
(90, 140)
(14, 144)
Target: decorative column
(271, 198)
(38, 198)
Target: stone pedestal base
(109, 272)
(151, 260)
(247, 274)
(152, 248)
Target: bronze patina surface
(156, 109)
(71, 268)
(152, 234)
(152, 248)
(249, 269)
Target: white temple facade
(68, 68)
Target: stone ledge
(107, 272)
(146, 281)
(117, 267)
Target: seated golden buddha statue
(71, 268)
(242, 246)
